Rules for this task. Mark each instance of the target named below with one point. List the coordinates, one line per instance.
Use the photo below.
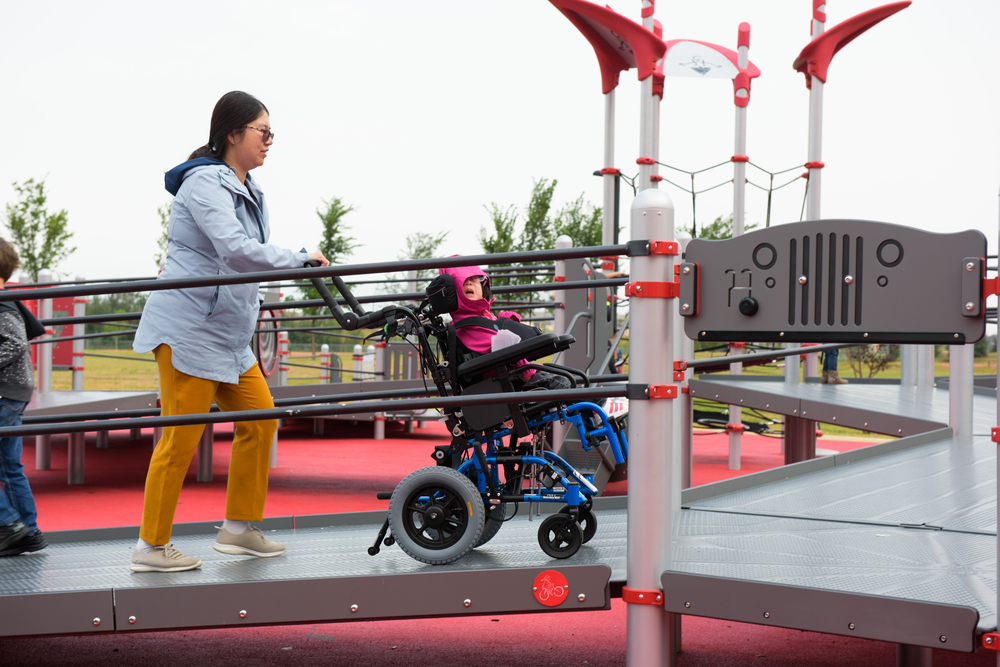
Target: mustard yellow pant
(182, 394)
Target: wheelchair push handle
(345, 319)
(360, 318)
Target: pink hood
(477, 339)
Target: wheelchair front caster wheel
(372, 551)
(389, 541)
(560, 536)
(587, 520)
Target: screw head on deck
(970, 267)
(848, 279)
(467, 602)
(581, 597)
(970, 306)
(850, 626)
(131, 620)
(97, 621)
(354, 608)
(687, 605)
(943, 639)
(243, 613)
(803, 280)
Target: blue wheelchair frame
(575, 493)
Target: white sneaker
(250, 542)
(162, 559)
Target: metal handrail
(309, 273)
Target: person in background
(201, 336)
(830, 374)
(18, 517)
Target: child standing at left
(18, 528)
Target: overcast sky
(419, 114)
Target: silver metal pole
(282, 381)
(815, 151)
(736, 414)
(925, 366)
(559, 295)
(79, 310)
(960, 382)
(608, 212)
(908, 365)
(650, 431)
(645, 124)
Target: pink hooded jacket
(477, 339)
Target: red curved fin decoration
(618, 42)
(814, 60)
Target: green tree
(336, 244)
(581, 222)
(41, 239)
(539, 232)
(721, 228)
(502, 238)
(161, 242)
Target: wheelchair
(499, 454)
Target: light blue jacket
(216, 228)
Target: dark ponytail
(232, 112)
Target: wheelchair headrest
(442, 294)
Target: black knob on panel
(748, 306)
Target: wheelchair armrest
(531, 349)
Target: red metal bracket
(634, 596)
(740, 158)
(995, 434)
(607, 266)
(814, 165)
(645, 160)
(734, 428)
(656, 178)
(679, 368)
(991, 640)
(685, 390)
(655, 290)
(991, 286)
(664, 248)
(662, 391)
(614, 171)
(559, 279)
(737, 345)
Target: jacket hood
(172, 179)
(467, 306)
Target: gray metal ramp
(324, 575)
(890, 409)
(907, 528)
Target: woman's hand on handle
(317, 256)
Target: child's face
(472, 288)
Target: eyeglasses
(267, 135)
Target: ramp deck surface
(895, 542)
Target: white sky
(419, 114)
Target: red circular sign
(550, 588)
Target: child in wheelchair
(440, 513)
